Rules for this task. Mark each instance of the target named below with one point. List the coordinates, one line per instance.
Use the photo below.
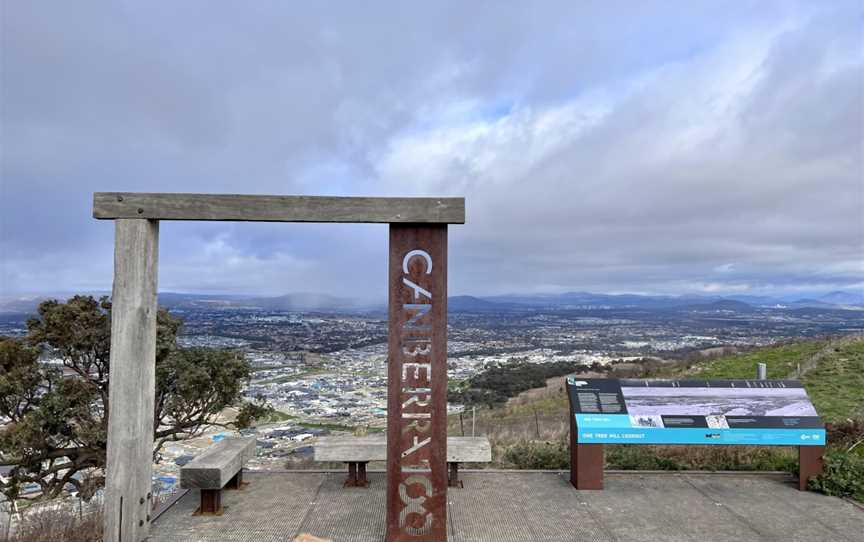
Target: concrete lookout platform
(520, 506)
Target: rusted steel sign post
(417, 384)
(417, 418)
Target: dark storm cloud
(662, 147)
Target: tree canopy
(56, 415)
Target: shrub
(707, 457)
(845, 433)
(528, 454)
(636, 458)
(56, 524)
(843, 476)
(500, 382)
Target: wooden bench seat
(358, 451)
(219, 466)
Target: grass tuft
(57, 524)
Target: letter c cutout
(417, 252)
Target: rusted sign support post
(417, 426)
(586, 461)
(810, 464)
(417, 384)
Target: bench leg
(236, 482)
(356, 474)
(586, 466)
(211, 502)
(361, 475)
(453, 477)
(810, 464)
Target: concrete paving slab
(353, 513)
(641, 515)
(271, 507)
(504, 506)
(778, 512)
(516, 506)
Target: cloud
(601, 147)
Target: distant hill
(843, 298)
(812, 304)
(24, 305)
(467, 303)
(839, 299)
(173, 300)
(586, 299)
(755, 300)
(724, 305)
(303, 301)
(288, 302)
(27, 304)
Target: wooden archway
(417, 362)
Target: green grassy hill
(832, 372)
(836, 383)
(782, 361)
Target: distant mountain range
(740, 303)
(178, 301)
(288, 302)
(465, 303)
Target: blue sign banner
(758, 412)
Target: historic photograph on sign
(716, 422)
(649, 401)
(646, 421)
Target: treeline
(499, 382)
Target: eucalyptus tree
(54, 416)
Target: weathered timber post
(417, 384)
(132, 382)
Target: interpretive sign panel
(763, 412)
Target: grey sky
(643, 147)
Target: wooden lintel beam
(235, 207)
